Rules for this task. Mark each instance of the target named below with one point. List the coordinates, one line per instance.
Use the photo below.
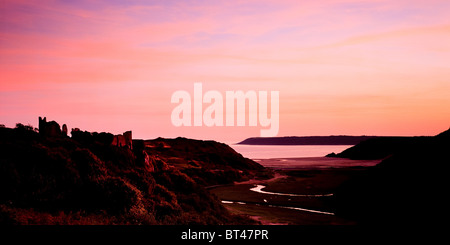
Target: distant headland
(307, 140)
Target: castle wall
(52, 129)
(49, 129)
(124, 140)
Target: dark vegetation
(86, 180)
(207, 162)
(407, 188)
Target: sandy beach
(300, 193)
(313, 163)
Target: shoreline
(300, 184)
(309, 163)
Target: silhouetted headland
(380, 147)
(306, 140)
(407, 188)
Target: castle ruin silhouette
(52, 129)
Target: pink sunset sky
(353, 67)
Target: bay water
(286, 151)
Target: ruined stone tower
(49, 129)
(124, 140)
(64, 129)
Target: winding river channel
(258, 189)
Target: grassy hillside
(86, 180)
(207, 162)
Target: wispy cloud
(317, 53)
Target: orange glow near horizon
(350, 67)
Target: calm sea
(286, 151)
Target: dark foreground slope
(207, 162)
(407, 188)
(86, 180)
